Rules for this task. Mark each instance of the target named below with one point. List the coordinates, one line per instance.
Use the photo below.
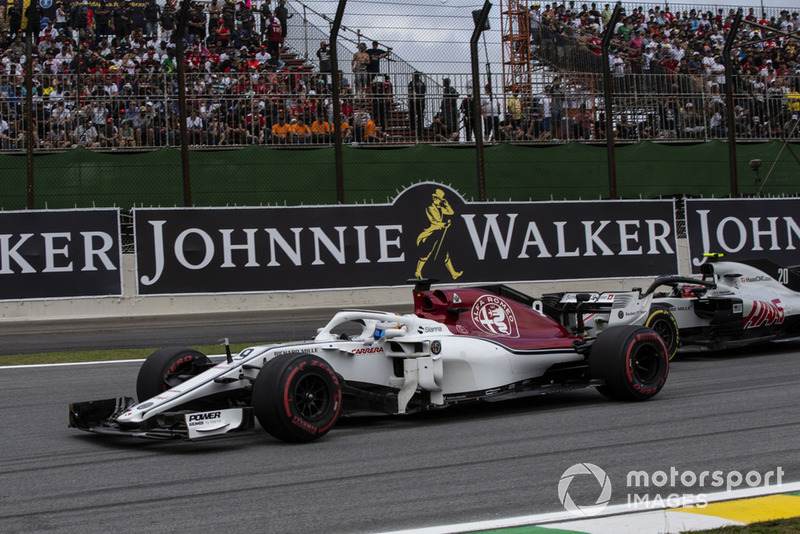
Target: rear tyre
(665, 325)
(633, 362)
(168, 367)
(297, 397)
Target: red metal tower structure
(516, 37)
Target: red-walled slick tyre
(168, 367)
(632, 360)
(297, 397)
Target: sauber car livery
(459, 345)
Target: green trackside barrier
(258, 175)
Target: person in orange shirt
(281, 131)
(372, 133)
(347, 131)
(321, 130)
(301, 133)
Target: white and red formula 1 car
(734, 304)
(459, 345)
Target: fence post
(337, 105)
(729, 103)
(183, 19)
(608, 34)
(476, 98)
(30, 126)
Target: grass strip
(106, 355)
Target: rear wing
(788, 276)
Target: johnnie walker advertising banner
(428, 231)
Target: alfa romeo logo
(494, 316)
(584, 469)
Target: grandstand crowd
(678, 57)
(104, 77)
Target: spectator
(79, 19)
(359, 65)
(196, 27)
(14, 136)
(380, 102)
(583, 123)
(122, 20)
(281, 131)
(360, 119)
(301, 133)
(4, 138)
(324, 58)
(440, 131)
(265, 13)
(468, 115)
(127, 136)
(490, 110)
(194, 125)
(86, 135)
(102, 20)
(152, 14)
(214, 14)
(283, 15)
(416, 104)
(514, 106)
(449, 106)
(275, 38)
(168, 21)
(215, 132)
(346, 128)
(375, 55)
(108, 135)
(321, 130)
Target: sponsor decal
(144, 406)
(311, 429)
(461, 329)
(203, 424)
(295, 351)
(769, 230)
(493, 315)
(430, 329)
(367, 350)
(764, 314)
(436, 347)
(195, 417)
(60, 254)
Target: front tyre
(632, 360)
(168, 367)
(297, 397)
(665, 325)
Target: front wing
(100, 417)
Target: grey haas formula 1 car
(734, 304)
(459, 345)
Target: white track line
(618, 509)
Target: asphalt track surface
(731, 412)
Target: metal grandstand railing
(140, 111)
